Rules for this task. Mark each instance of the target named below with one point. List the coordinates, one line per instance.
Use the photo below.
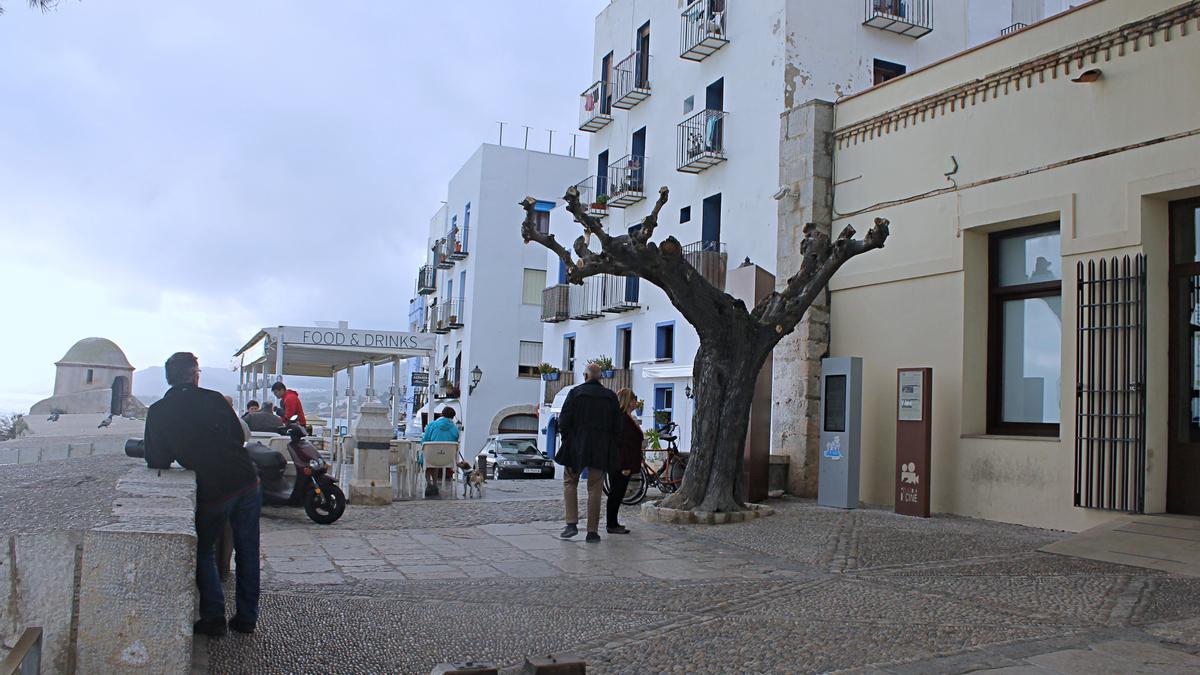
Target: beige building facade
(92, 377)
(1010, 174)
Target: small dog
(473, 479)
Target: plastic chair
(407, 472)
(441, 455)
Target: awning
(320, 351)
(667, 371)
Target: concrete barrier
(113, 597)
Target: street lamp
(687, 391)
(476, 376)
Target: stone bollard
(468, 668)
(372, 483)
(554, 665)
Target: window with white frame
(528, 359)
(532, 286)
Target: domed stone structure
(92, 377)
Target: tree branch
(590, 223)
(530, 232)
(643, 233)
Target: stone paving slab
(808, 590)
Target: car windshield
(516, 448)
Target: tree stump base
(653, 513)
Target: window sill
(1006, 437)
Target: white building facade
(480, 292)
(689, 96)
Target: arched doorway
(120, 390)
(518, 424)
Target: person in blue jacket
(443, 429)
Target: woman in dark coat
(629, 458)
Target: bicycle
(666, 478)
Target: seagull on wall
(53, 417)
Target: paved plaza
(809, 589)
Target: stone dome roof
(95, 351)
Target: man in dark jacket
(589, 424)
(198, 429)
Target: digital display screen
(835, 403)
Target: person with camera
(197, 428)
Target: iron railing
(700, 141)
(911, 18)
(703, 29)
(1110, 383)
(627, 181)
(585, 300)
(594, 201)
(449, 315)
(622, 378)
(441, 254)
(426, 280)
(595, 107)
(1013, 28)
(555, 303)
(456, 243)
(631, 80)
(448, 386)
(709, 259)
(618, 293)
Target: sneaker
(593, 537)
(569, 531)
(618, 529)
(210, 627)
(241, 625)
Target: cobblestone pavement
(402, 588)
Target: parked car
(513, 455)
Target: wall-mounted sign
(910, 395)
(420, 379)
(375, 340)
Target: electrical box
(841, 432)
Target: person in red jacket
(290, 401)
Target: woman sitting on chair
(443, 429)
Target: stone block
(136, 599)
(53, 453)
(372, 463)
(43, 575)
(29, 455)
(9, 455)
(370, 492)
(467, 668)
(554, 665)
(75, 450)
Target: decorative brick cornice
(1132, 37)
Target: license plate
(533, 470)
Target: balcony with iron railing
(618, 294)
(627, 181)
(441, 255)
(631, 80)
(703, 29)
(1013, 28)
(910, 18)
(448, 385)
(700, 141)
(709, 259)
(595, 107)
(584, 300)
(594, 201)
(555, 303)
(426, 280)
(564, 380)
(456, 244)
(448, 316)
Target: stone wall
(806, 170)
(112, 584)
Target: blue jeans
(241, 511)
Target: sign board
(365, 340)
(420, 380)
(841, 432)
(914, 433)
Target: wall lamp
(1089, 75)
(476, 376)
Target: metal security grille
(1110, 376)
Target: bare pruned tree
(44, 5)
(734, 340)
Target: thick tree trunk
(724, 378)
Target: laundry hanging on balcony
(589, 102)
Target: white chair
(442, 455)
(407, 471)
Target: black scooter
(323, 500)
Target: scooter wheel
(326, 507)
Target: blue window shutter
(660, 342)
(543, 206)
(562, 272)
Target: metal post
(241, 388)
(432, 384)
(333, 406)
(395, 392)
(349, 395)
(279, 358)
(371, 381)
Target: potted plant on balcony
(601, 203)
(606, 366)
(662, 418)
(549, 373)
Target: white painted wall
(493, 180)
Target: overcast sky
(176, 174)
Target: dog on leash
(473, 480)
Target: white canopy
(667, 371)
